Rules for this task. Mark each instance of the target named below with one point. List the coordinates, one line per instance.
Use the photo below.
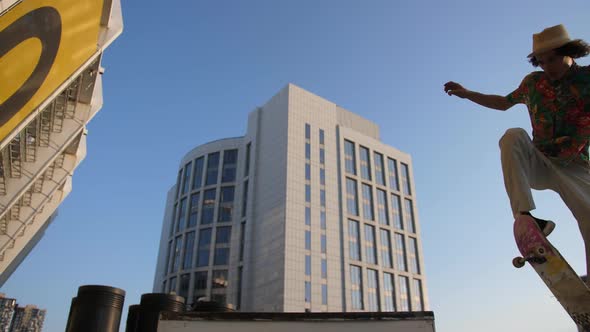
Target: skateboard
(571, 292)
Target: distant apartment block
(20, 319)
(308, 211)
(51, 87)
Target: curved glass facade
(202, 223)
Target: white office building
(308, 211)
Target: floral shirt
(559, 111)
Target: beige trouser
(526, 168)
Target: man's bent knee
(513, 136)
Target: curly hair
(574, 49)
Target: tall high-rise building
(7, 307)
(28, 319)
(50, 88)
(308, 211)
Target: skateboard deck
(571, 292)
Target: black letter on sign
(43, 23)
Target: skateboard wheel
(518, 262)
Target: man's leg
(524, 167)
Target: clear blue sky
(182, 74)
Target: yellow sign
(42, 43)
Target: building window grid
(181, 216)
(245, 199)
(396, 212)
(226, 204)
(389, 292)
(351, 197)
(393, 178)
(349, 157)
(370, 248)
(400, 250)
(178, 184)
(382, 213)
(222, 245)
(356, 282)
(247, 165)
(198, 173)
(418, 297)
(365, 159)
(413, 256)
(409, 215)
(230, 163)
(404, 295)
(368, 212)
(354, 240)
(385, 244)
(189, 243)
(379, 169)
(212, 171)
(193, 209)
(208, 208)
(176, 254)
(186, 178)
(373, 290)
(406, 179)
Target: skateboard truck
(537, 257)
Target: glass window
(307, 131)
(413, 256)
(247, 168)
(308, 172)
(406, 179)
(393, 179)
(322, 197)
(168, 258)
(351, 197)
(193, 210)
(307, 240)
(181, 215)
(245, 199)
(349, 157)
(184, 285)
(200, 287)
(356, 280)
(242, 238)
(370, 250)
(307, 151)
(322, 176)
(308, 292)
(219, 279)
(324, 294)
(324, 268)
(187, 177)
(208, 207)
(418, 302)
(189, 243)
(321, 136)
(223, 235)
(308, 193)
(173, 284)
(323, 244)
(307, 265)
(212, 168)
(354, 240)
(307, 215)
(368, 202)
(226, 204)
(173, 221)
(385, 249)
(198, 176)
(388, 292)
(373, 290)
(409, 215)
(204, 247)
(322, 156)
(404, 295)
(323, 219)
(178, 184)
(177, 248)
(230, 160)
(365, 163)
(396, 208)
(379, 173)
(221, 256)
(382, 214)
(400, 250)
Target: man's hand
(456, 89)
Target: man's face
(555, 66)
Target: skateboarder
(558, 100)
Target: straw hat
(550, 38)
